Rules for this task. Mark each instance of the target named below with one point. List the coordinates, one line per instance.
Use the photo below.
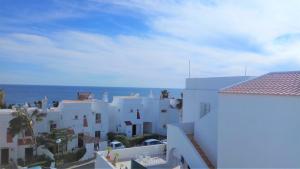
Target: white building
(88, 119)
(152, 157)
(258, 123)
(136, 115)
(15, 148)
(198, 147)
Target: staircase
(200, 151)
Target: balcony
(145, 156)
(25, 141)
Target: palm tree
(24, 121)
(164, 94)
(2, 104)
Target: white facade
(135, 115)
(95, 118)
(200, 105)
(70, 114)
(11, 148)
(258, 131)
(179, 146)
(157, 152)
(80, 116)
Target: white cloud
(207, 33)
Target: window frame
(98, 120)
(205, 108)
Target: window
(97, 134)
(163, 110)
(98, 118)
(138, 115)
(118, 145)
(27, 133)
(204, 109)
(164, 126)
(52, 126)
(85, 122)
(9, 138)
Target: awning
(128, 123)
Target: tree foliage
(164, 94)
(24, 121)
(2, 95)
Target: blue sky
(144, 43)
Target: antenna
(189, 68)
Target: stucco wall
(178, 142)
(258, 131)
(206, 135)
(102, 163)
(205, 90)
(198, 89)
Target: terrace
(153, 156)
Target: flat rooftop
(7, 111)
(76, 101)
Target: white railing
(179, 142)
(126, 154)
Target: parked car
(116, 145)
(151, 142)
(164, 141)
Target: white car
(116, 145)
(151, 142)
(164, 141)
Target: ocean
(19, 94)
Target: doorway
(133, 129)
(80, 140)
(147, 127)
(4, 156)
(28, 154)
(97, 140)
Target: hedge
(71, 156)
(133, 141)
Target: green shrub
(70, 156)
(80, 153)
(111, 136)
(38, 161)
(123, 139)
(137, 140)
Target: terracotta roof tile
(277, 83)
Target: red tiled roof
(277, 83)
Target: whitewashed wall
(102, 163)
(178, 142)
(205, 90)
(15, 151)
(5, 117)
(258, 131)
(44, 125)
(191, 103)
(133, 152)
(99, 106)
